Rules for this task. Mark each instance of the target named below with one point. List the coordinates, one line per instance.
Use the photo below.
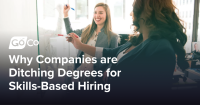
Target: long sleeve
(99, 52)
(106, 52)
(69, 28)
(113, 44)
(110, 52)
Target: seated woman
(147, 64)
(97, 34)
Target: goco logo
(20, 42)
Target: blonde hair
(88, 31)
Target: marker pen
(72, 8)
(66, 35)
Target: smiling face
(99, 15)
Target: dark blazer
(102, 41)
(147, 68)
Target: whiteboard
(50, 24)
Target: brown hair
(88, 31)
(163, 22)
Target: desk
(193, 71)
(190, 82)
(193, 63)
(193, 74)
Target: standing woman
(146, 61)
(97, 34)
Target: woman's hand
(74, 39)
(66, 10)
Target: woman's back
(150, 69)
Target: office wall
(17, 18)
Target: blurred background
(42, 20)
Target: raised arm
(68, 23)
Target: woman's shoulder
(114, 35)
(160, 44)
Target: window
(177, 2)
(100, 1)
(189, 26)
(198, 33)
(186, 14)
(118, 8)
(81, 9)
